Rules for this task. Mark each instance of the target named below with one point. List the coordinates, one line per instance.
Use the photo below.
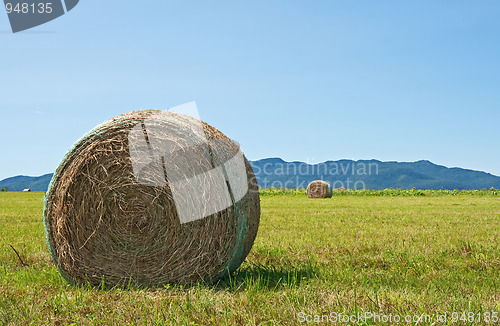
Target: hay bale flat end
(319, 189)
(150, 198)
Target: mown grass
(384, 192)
(387, 253)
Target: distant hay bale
(151, 198)
(319, 189)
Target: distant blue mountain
(369, 174)
(22, 182)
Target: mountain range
(23, 182)
(369, 174)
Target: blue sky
(301, 80)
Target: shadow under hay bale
(117, 216)
(319, 189)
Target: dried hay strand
(111, 218)
(319, 189)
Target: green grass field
(402, 253)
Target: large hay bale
(319, 189)
(150, 198)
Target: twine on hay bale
(319, 189)
(109, 218)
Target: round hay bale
(319, 189)
(150, 198)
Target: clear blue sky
(301, 80)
